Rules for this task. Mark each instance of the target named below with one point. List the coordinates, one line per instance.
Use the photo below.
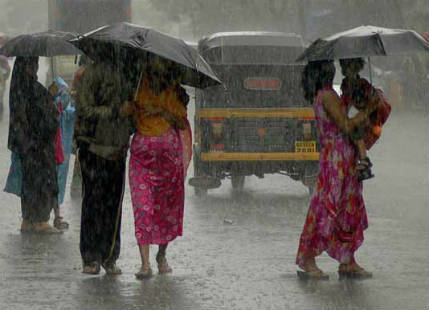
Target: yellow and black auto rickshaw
(258, 122)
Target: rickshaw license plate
(305, 146)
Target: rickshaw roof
(251, 38)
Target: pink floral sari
(157, 172)
(337, 217)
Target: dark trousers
(103, 184)
(39, 193)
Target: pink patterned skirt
(157, 187)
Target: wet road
(239, 252)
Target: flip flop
(364, 169)
(141, 275)
(60, 224)
(312, 275)
(355, 274)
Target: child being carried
(357, 92)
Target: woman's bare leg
(145, 270)
(364, 165)
(58, 220)
(57, 212)
(144, 255)
(362, 149)
(162, 250)
(161, 259)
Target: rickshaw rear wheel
(200, 192)
(237, 182)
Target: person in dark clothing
(4, 70)
(34, 121)
(76, 183)
(4, 75)
(102, 132)
(103, 184)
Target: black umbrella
(48, 43)
(124, 41)
(365, 41)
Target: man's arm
(87, 103)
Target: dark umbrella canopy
(117, 42)
(365, 41)
(47, 44)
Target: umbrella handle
(52, 68)
(370, 71)
(138, 86)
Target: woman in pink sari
(337, 217)
(160, 155)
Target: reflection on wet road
(238, 252)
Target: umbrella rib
(378, 36)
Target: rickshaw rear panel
(258, 122)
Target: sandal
(364, 168)
(91, 268)
(144, 273)
(112, 269)
(60, 224)
(315, 274)
(358, 273)
(45, 228)
(163, 266)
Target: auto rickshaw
(258, 121)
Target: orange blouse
(155, 125)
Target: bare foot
(91, 268)
(26, 226)
(112, 269)
(163, 266)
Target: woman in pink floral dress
(160, 154)
(337, 217)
